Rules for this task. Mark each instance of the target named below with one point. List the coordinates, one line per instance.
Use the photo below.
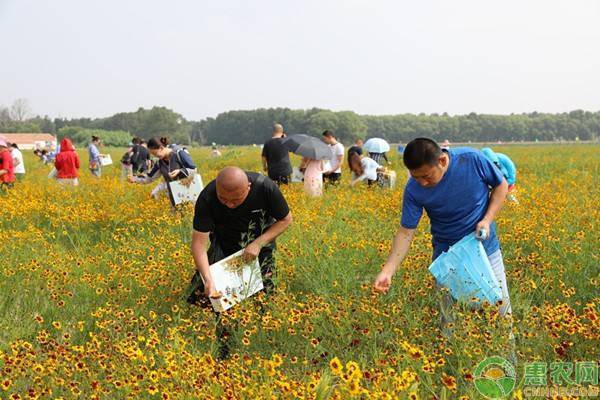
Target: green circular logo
(495, 378)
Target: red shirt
(6, 162)
(67, 161)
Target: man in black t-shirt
(276, 158)
(140, 157)
(238, 210)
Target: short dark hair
(327, 132)
(155, 143)
(14, 146)
(421, 151)
(95, 138)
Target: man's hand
(131, 179)
(251, 251)
(210, 291)
(484, 224)
(383, 280)
(173, 174)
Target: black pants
(333, 178)
(280, 179)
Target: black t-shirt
(278, 158)
(139, 158)
(355, 149)
(231, 227)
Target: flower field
(93, 282)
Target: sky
(76, 58)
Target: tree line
(253, 126)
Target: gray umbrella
(307, 146)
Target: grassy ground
(93, 281)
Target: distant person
(39, 155)
(504, 163)
(214, 153)
(445, 145)
(52, 153)
(95, 157)
(333, 172)
(44, 156)
(356, 148)
(364, 168)
(18, 163)
(313, 176)
(126, 165)
(378, 156)
(67, 164)
(276, 158)
(7, 174)
(173, 164)
(140, 157)
(453, 187)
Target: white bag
(297, 175)
(106, 160)
(235, 279)
(181, 193)
(388, 179)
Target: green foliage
(242, 127)
(246, 127)
(157, 121)
(81, 136)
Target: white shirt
(18, 161)
(336, 151)
(369, 167)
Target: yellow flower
(336, 366)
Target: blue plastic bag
(466, 271)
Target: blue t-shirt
(93, 153)
(457, 203)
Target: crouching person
(238, 210)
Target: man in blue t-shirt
(453, 187)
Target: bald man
(238, 210)
(276, 158)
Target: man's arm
(251, 251)
(199, 249)
(265, 163)
(400, 247)
(497, 197)
(340, 159)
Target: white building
(31, 141)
